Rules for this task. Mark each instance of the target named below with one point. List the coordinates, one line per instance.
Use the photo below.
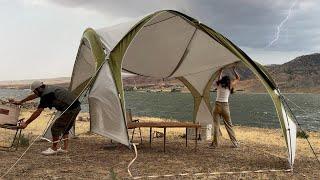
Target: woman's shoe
(62, 151)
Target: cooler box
(204, 133)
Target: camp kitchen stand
(9, 119)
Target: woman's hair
(225, 82)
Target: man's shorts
(65, 122)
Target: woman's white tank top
(222, 94)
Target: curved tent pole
(90, 37)
(196, 96)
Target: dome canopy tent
(163, 44)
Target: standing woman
(225, 87)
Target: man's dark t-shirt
(57, 97)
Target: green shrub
(302, 134)
(23, 140)
(113, 175)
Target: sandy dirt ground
(94, 157)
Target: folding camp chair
(9, 119)
(130, 120)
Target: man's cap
(35, 84)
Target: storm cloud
(249, 23)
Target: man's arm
(31, 118)
(28, 98)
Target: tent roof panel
(156, 50)
(111, 35)
(162, 16)
(84, 68)
(200, 80)
(204, 53)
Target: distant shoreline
(26, 87)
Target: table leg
(186, 137)
(150, 137)
(196, 139)
(164, 139)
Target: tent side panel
(117, 54)
(105, 108)
(90, 50)
(289, 128)
(96, 46)
(196, 96)
(206, 91)
(47, 132)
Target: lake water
(255, 110)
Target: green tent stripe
(95, 45)
(184, 53)
(80, 88)
(98, 54)
(116, 56)
(206, 91)
(196, 96)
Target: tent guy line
(300, 127)
(212, 173)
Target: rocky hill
(301, 75)
(25, 84)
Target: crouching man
(62, 100)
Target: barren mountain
(302, 74)
(24, 84)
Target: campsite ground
(92, 157)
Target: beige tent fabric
(111, 35)
(204, 54)
(158, 18)
(47, 133)
(289, 126)
(204, 116)
(84, 67)
(200, 80)
(157, 49)
(105, 109)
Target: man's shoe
(62, 151)
(49, 152)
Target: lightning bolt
(279, 27)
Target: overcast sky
(40, 38)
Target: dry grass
(90, 156)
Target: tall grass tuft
(302, 134)
(22, 141)
(113, 175)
